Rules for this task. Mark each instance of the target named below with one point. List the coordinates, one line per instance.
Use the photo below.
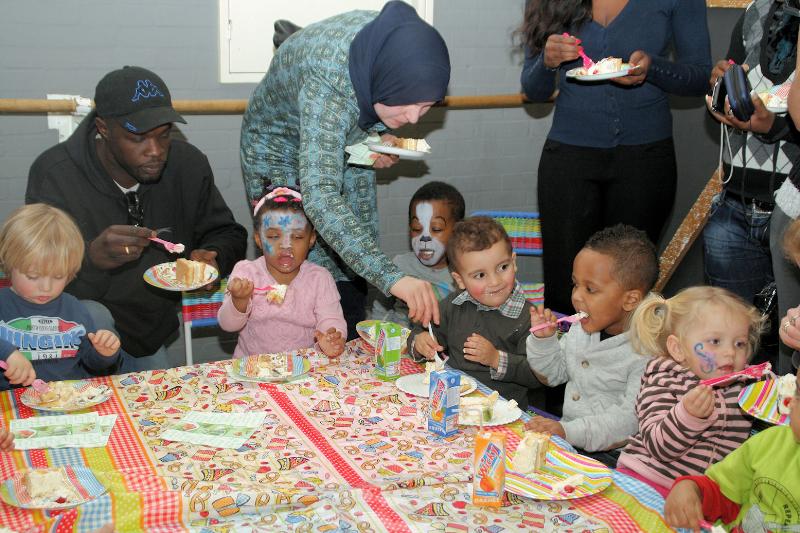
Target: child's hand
(684, 506)
(6, 440)
(540, 315)
(479, 350)
(699, 402)
(20, 370)
(542, 424)
(425, 346)
(331, 342)
(106, 343)
(241, 291)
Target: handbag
(738, 88)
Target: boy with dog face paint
(433, 211)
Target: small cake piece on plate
(531, 452)
(568, 486)
(59, 394)
(605, 66)
(45, 486)
(477, 410)
(189, 273)
(787, 385)
(432, 366)
(273, 366)
(276, 294)
(418, 145)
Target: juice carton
(489, 479)
(387, 350)
(445, 396)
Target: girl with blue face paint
(685, 426)
(310, 310)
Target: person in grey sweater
(433, 211)
(611, 275)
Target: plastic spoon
(571, 319)
(587, 62)
(38, 385)
(171, 247)
(755, 371)
(436, 353)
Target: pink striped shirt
(311, 303)
(671, 442)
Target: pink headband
(279, 195)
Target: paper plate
(760, 400)
(163, 277)
(779, 105)
(365, 330)
(247, 368)
(412, 384)
(503, 413)
(575, 73)
(394, 150)
(559, 465)
(32, 398)
(14, 490)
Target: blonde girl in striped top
(685, 427)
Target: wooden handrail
(237, 107)
(680, 243)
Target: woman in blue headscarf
(330, 85)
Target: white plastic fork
(436, 353)
(39, 385)
(571, 319)
(170, 246)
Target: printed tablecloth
(339, 451)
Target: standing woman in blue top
(329, 86)
(609, 157)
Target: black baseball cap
(137, 98)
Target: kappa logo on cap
(130, 127)
(146, 89)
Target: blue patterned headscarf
(397, 59)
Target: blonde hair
(791, 241)
(42, 239)
(656, 318)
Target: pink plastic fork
(587, 62)
(266, 289)
(755, 371)
(39, 385)
(571, 319)
(170, 246)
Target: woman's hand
(419, 297)
(719, 71)
(684, 507)
(385, 160)
(789, 331)
(641, 61)
(560, 49)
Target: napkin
(360, 154)
(88, 430)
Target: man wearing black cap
(124, 179)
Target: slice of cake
(47, 486)
(190, 273)
(607, 65)
(531, 452)
(432, 366)
(478, 409)
(60, 393)
(787, 386)
(276, 294)
(418, 145)
(568, 486)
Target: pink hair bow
(279, 195)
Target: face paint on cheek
(428, 250)
(707, 361)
